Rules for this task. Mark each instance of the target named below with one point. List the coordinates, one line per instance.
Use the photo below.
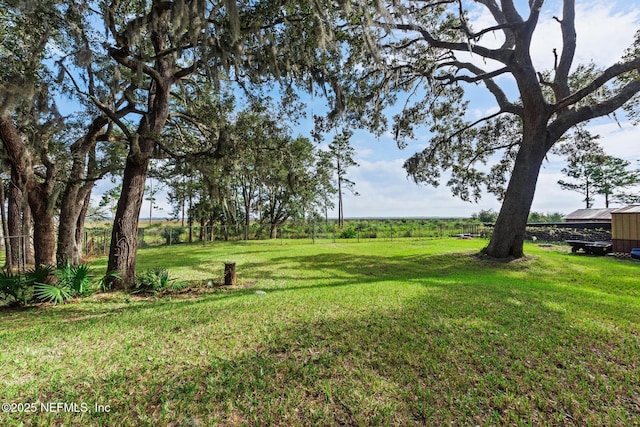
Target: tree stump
(230, 274)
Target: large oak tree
(431, 50)
(29, 121)
(164, 43)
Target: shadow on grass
(452, 353)
(340, 269)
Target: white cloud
(604, 30)
(619, 140)
(386, 191)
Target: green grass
(378, 333)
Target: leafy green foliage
(592, 172)
(341, 154)
(46, 283)
(56, 294)
(612, 177)
(104, 284)
(156, 280)
(41, 274)
(14, 288)
(488, 216)
(58, 284)
(256, 166)
(349, 233)
(172, 235)
(77, 278)
(548, 217)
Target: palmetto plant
(77, 278)
(57, 285)
(46, 283)
(156, 280)
(56, 293)
(152, 281)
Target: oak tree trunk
(14, 219)
(72, 211)
(124, 235)
(5, 227)
(69, 211)
(508, 234)
(77, 192)
(44, 229)
(40, 196)
(27, 233)
(80, 225)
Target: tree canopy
(162, 79)
(436, 50)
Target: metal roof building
(590, 215)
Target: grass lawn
(403, 332)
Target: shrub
(46, 283)
(348, 234)
(105, 284)
(15, 288)
(172, 235)
(57, 293)
(151, 281)
(77, 278)
(41, 274)
(56, 285)
(156, 280)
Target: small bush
(172, 235)
(41, 274)
(58, 284)
(77, 278)
(46, 283)
(151, 281)
(57, 293)
(104, 284)
(156, 280)
(15, 288)
(348, 234)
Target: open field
(161, 232)
(403, 332)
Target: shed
(625, 228)
(590, 215)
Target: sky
(604, 30)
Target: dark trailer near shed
(625, 229)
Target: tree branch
(497, 55)
(480, 153)
(510, 13)
(487, 78)
(608, 74)
(114, 116)
(567, 25)
(204, 129)
(500, 18)
(122, 57)
(583, 114)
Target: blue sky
(604, 28)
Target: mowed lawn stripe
(400, 332)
